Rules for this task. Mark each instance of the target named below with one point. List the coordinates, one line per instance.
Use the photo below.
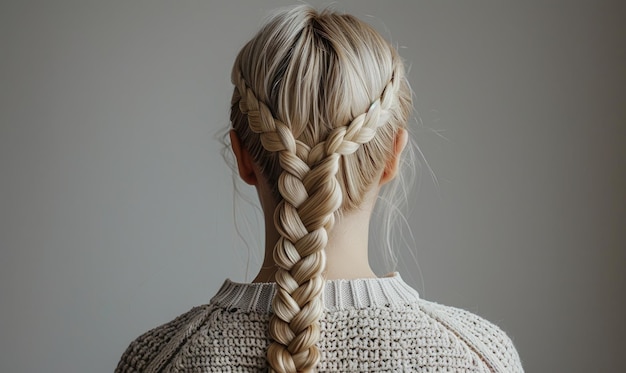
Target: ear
(393, 163)
(245, 165)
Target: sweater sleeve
(154, 349)
(489, 341)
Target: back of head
(318, 101)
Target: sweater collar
(338, 294)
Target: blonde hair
(319, 98)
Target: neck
(346, 252)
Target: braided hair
(319, 98)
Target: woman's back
(319, 119)
(369, 325)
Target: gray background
(116, 207)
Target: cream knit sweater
(370, 325)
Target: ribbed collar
(338, 294)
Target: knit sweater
(369, 325)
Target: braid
(311, 195)
(298, 84)
(346, 140)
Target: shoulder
(486, 339)
(153, 349)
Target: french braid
(311, 191)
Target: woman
(319, 115)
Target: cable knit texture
(369, 325)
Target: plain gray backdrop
(116, 206)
